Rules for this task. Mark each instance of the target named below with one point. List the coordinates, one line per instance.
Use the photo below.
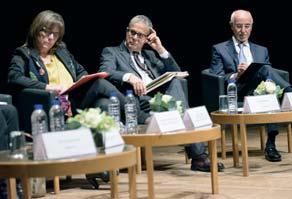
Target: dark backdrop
(187, 31)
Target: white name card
(63, 144)
(165, 122)
(261, 104)
(197, 118)
(112, 138)
(287, 102)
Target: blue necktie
(241, 56)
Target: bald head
(238, 14)
(241, 25)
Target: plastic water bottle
(56, 115)
(114, 107)
(232, 97)
(131, 113)
(39, 124)
(39, 120)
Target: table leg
(214, 169)
(132, 182)
(11, 188)
(26, 187)
(244, 150)
(263, 137)
(223, 142)
(235, 145)
(138, 155)
(56, 184)
(149, 167)
(114, 184)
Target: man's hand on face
(154, 41)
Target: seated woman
(44, 62)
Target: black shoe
(3, 189)
(93, 182)
(204, 165)
(272, 154)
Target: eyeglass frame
(134, 32)
(48, 32)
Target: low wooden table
(242, 120)
(25, 169)
(177, 138)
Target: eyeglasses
(46, 32)
(133, 33)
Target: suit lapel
(232, 52)
(253, 52)
(127, 56)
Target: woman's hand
(56, 88)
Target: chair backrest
(212, 86)
(6, 98)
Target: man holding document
(248, 64)
(131, 67)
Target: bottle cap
(55, 102)
(38, 106)
(129, 92)
(113, 94)
(231, 81)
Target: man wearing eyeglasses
(132, 67)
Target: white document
(261, 104)
(197, 118)
(112, 138)
(64, 144)
(165, 122)
(287, 102)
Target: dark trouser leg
(196, 151)
(272, 133)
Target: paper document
(166, 77)
(84, 79)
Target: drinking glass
(17, 145)
(223, 103)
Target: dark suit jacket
(117, 62)
(225, 58)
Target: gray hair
(141, 19)
(232, 18)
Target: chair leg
(263, 137)
(187, 160)
(289, 135)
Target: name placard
(165, 122)
(261, 104)
(112, 138)
(63, 144)
(287, 102)
(197, 118)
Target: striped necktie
(141, 65)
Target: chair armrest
(212, 86)
(284, 74)
(184, 84)
(27, 98)
(6, 98)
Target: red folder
(84, 79)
